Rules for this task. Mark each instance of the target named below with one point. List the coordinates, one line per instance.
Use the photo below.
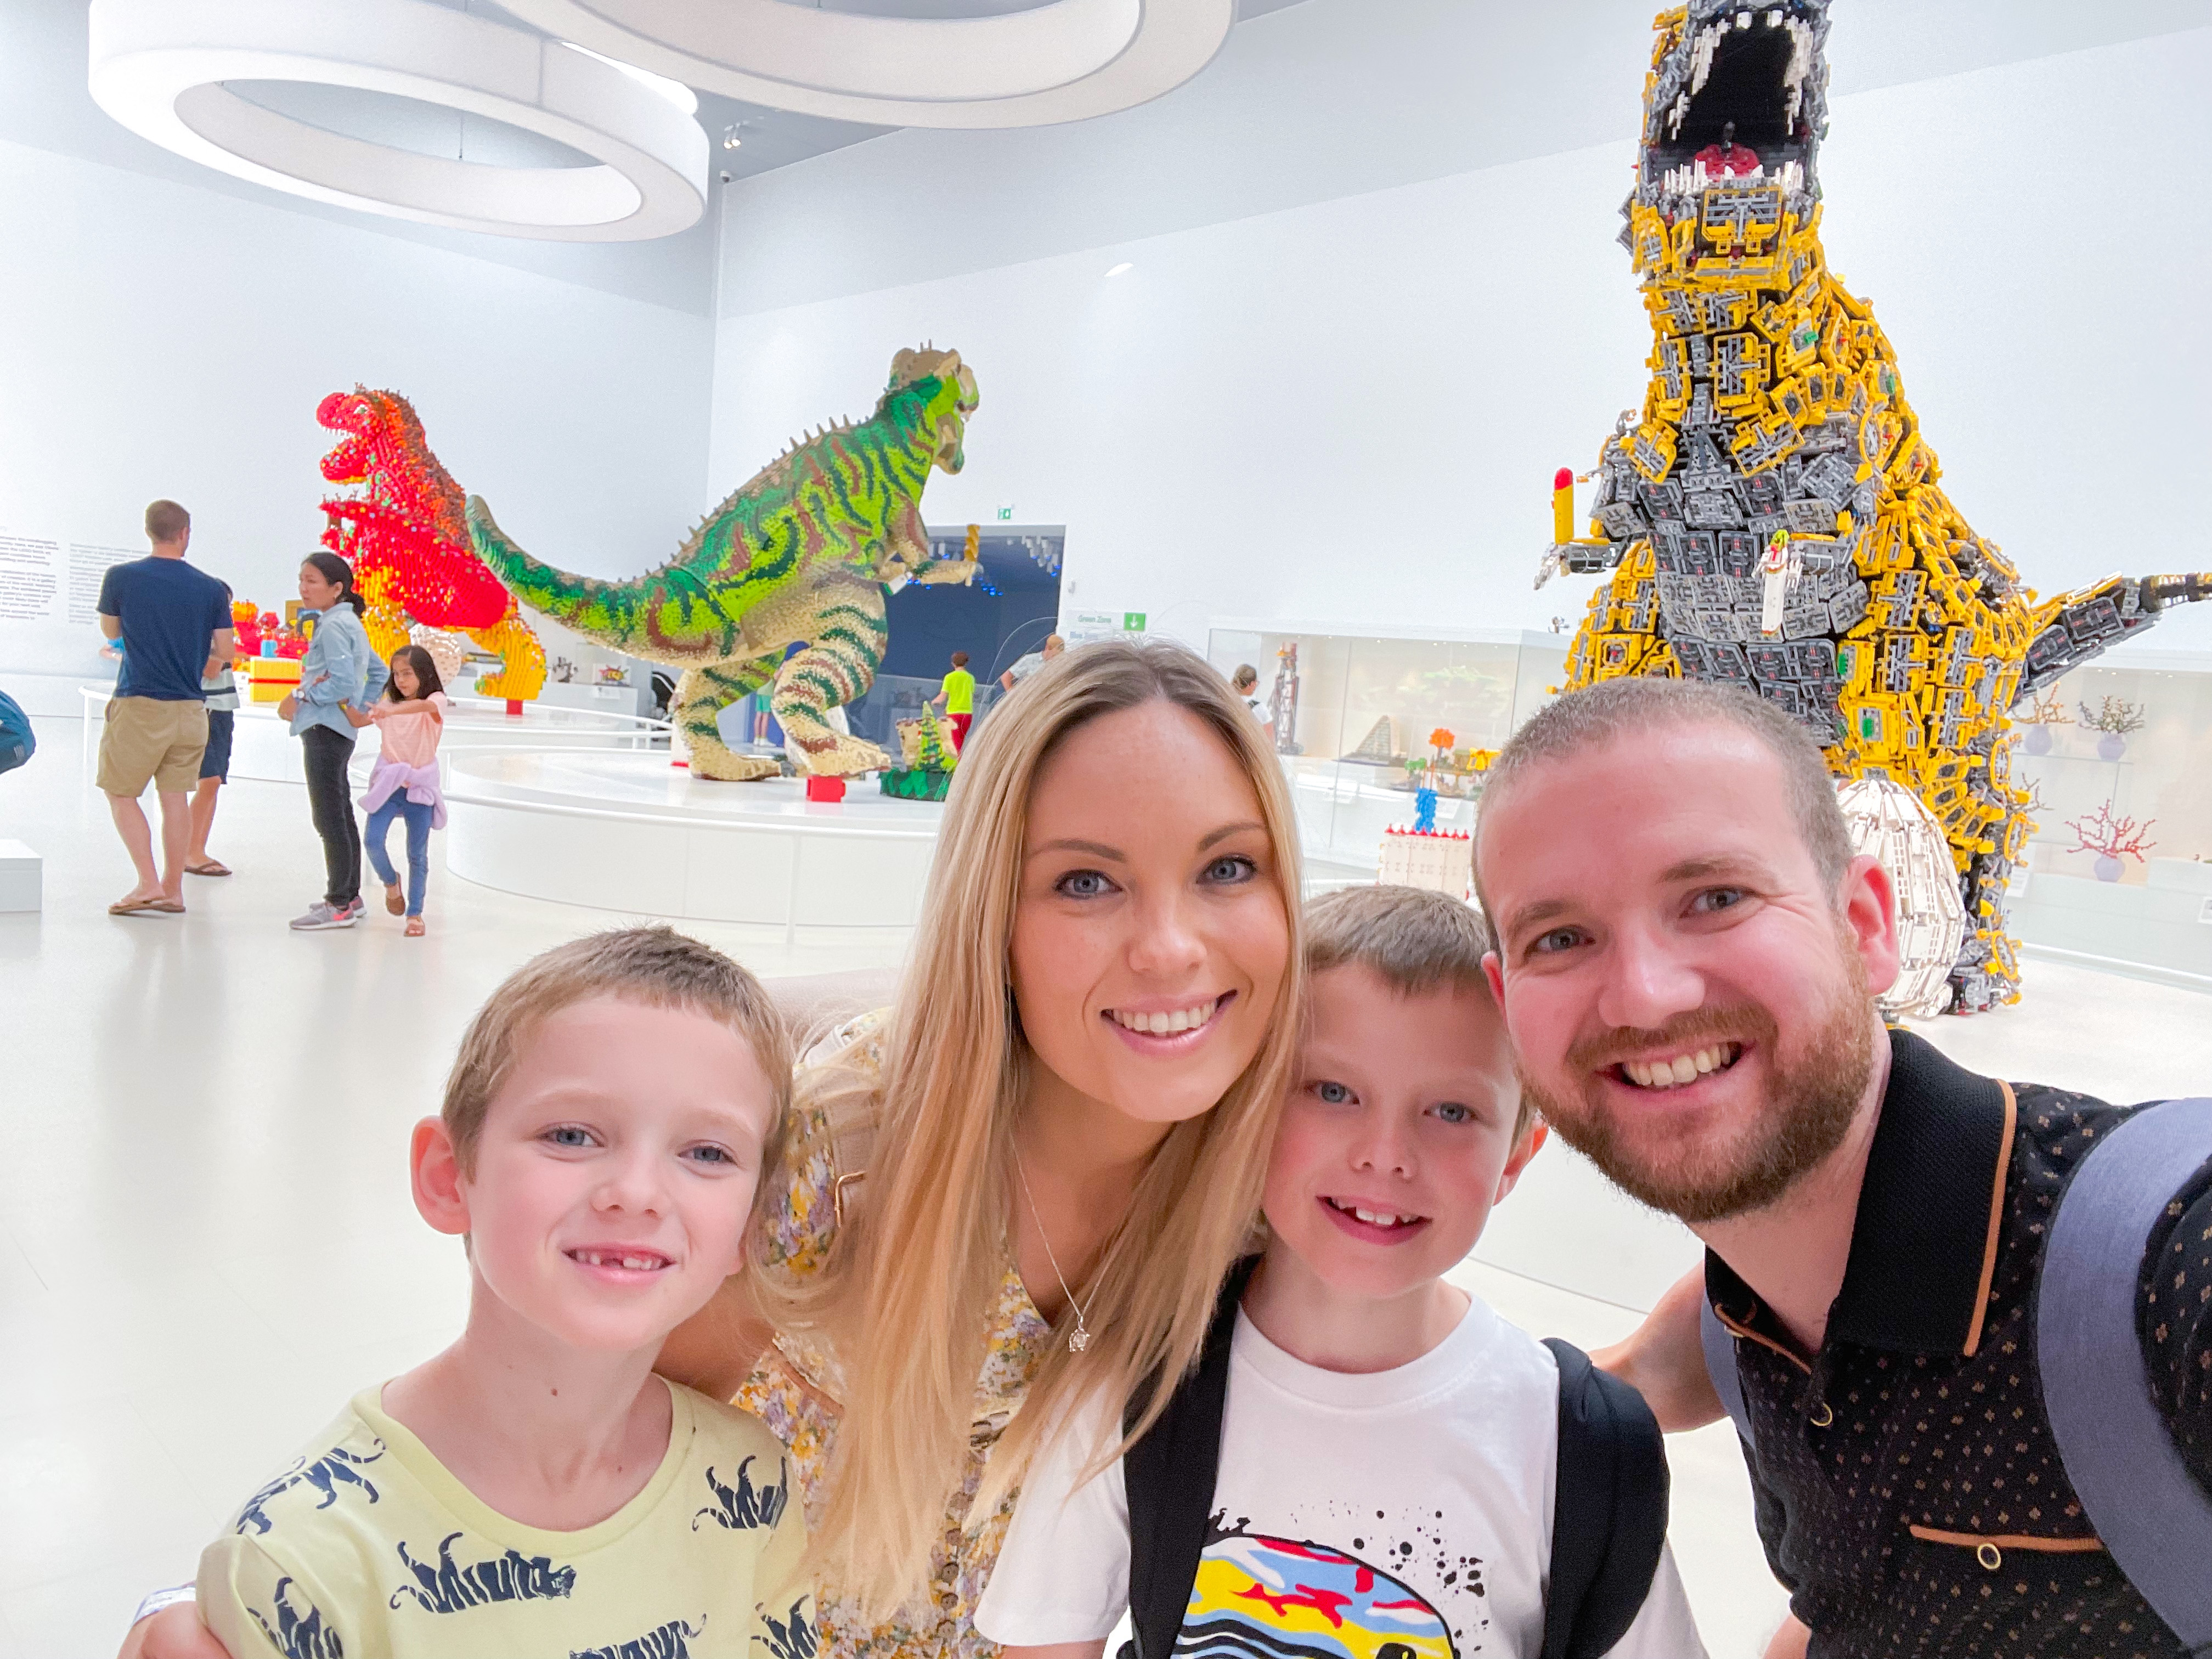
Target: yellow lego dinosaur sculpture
(1772, 515)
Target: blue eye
(570, 1136)
(1083, 883)
(1335, 1094)
(1452, 1112)
(1559, 939)
(711, 1155)
(1232, 867)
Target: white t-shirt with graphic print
(1408, 1510)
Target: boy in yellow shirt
(535, 1488)
(957, 694)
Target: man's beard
(1812, 1097)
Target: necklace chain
(1080, 1338)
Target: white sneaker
(322, 916)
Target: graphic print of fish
(1257, 1597)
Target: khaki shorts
(146, 737)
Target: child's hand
(175, 1632)
(358, 718)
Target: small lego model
(928, 760)
(2112, 837)
(1770, 518)
(1442, 861)
(1283, 699)
(1380, 746)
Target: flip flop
(211, 867)
(157, 907)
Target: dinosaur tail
(606, 611)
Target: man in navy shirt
(174, 623)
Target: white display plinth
(633, 832)
(263, 748)
(21, 876)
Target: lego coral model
(406, 536)
(798, 554)
(1771, 516)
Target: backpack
(17, 743)
(2153, 1517)
(1608, 1523)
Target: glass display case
(2118, 754)
(1353, 710)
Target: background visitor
(1026, 666)
(219, 692)
(957, 695)
(173, 622)
(339, 669)
(1245, 682)
(408, 719)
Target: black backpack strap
(2146, 1508)
(1609, 1516)
(1168, 1474)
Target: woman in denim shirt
(338, 669)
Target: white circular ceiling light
(159, 66)
(1066, 61)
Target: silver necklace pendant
(1077, 1340)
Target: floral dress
(794, 1386)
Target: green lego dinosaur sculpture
(799, 554)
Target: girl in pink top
(409, 718)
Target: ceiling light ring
(157, 67)
(1069, 61)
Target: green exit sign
(1006, 516)
(1133, 621)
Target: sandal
(208, 867)
(415, 927)
(155, 906)
(394, 900)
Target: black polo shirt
(1908, 1490)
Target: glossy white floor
(205, 1239)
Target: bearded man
(1689, 956)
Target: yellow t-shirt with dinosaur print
(369, 1545)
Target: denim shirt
(338, 669)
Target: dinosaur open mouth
(1741, 112)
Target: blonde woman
(1020, 1186)
(1023, 1184)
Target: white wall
(1349, 411)
(159, 339)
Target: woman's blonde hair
(906, 1298)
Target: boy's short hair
(655, 966)
(960, 659)
(165, 521)
(1415, 941)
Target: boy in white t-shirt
(535, 1489)
(1389, 1447)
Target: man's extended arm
(1665, 1361)
(110, 626)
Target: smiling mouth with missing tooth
(1169, 1023)
(1673, 1071)
(630, 1261)
(1374, 1217)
